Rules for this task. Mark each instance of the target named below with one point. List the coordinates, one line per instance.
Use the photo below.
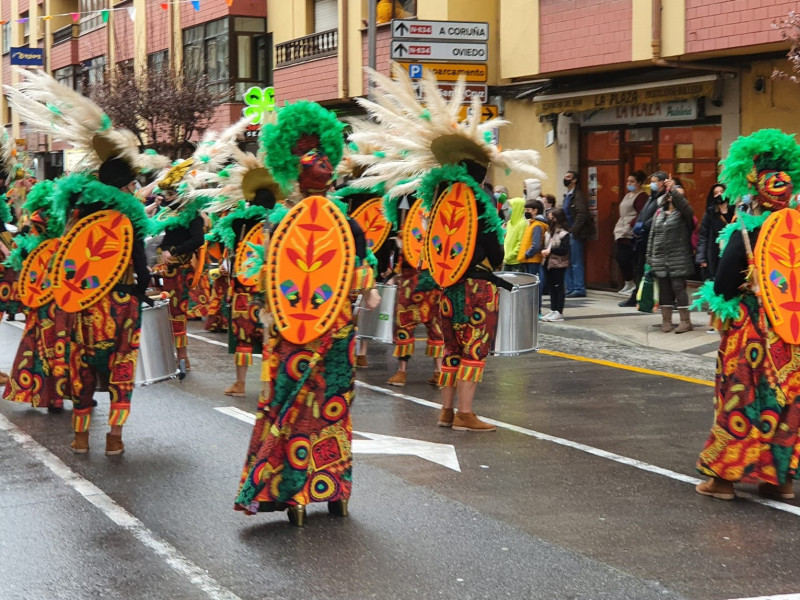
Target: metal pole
(371, 40)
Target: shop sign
(27, 57)
(545, 105)
(679, 110)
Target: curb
(584, 333)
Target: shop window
(26, 29)
(91, 17)
(206, 51)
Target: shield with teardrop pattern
(414, 236)
(452, 231)
(245, 254)
(310, 265)
(777, 259)
(35, 283)
(92, 258)
(372, 220)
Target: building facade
(604, 87)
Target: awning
(628, 95)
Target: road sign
(488, 111)
(405, 29)
(446, 90)
(455, 51)
(474, 72)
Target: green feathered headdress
(294, 121)
(450, 174)
(764, 149)
(170, 219)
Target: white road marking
(780, 597)
(441, 454)
(631, 462)
(119, 515)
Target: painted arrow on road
(441, 454)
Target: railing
(310, 47)
(65, 34)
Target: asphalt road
(584, 492)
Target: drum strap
(479, 272)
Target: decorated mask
(774, 189)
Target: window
(6, 38)
(91, 17)
(26, 29)
(68, 77)
(158, 60)
(206, 50)
(326, 15)
(252, 54)
(93, 71)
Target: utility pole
(372, 40)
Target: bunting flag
(164, 5)
(75, 17)
(105, 15)
(132, 12)
(196, 4)
(105, 12)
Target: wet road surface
(584, 492)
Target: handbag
(647, 294)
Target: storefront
(662, 127)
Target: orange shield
(376, 228)
(310, 265)
(777, 256)
(93, 257)
(452, 230)
(214, 251)
(35, 283)
(245, 253)
(414, 235)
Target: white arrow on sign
(441, 454)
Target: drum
(157, 360)
(377, 324)
(518, 316)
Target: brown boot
(361, 361)
(718, 488)
(236, 390)
(666, 319)
(785, 491)
(434, 380)
(469, 422)
(446, 417)
(114, 444)
(398, 379)
(80, 445)
(686, 321)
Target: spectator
(549, 204)
(556, 255)
(532, 189)
(629, 209)
(581, 228)
(718, 214)
(530, 250)
(669, 253)
(515, 230)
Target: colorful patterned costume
(245, 332)
(417, 303)
(754, 437)
(175, 278)
(200, 296)
(217, 317)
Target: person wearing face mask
(718, 214)
(669, 254)
(641, 229)
(629, 209)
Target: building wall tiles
(316, 80)
(583, 33)
(713, 25)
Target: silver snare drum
(377, 324)
(157, 360)
(518, 316)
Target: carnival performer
(445, 160)
(217, 314)
(100, 270)
(300, 449)
(418, 295)
(249, 195)
(40, 375)
(754, 437)
(187, 189)
(200, 292)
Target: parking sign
(415, 71)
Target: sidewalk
(598, 317)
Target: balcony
(307, 48)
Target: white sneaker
(557, 316)
(548, 316)
(629, 287)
